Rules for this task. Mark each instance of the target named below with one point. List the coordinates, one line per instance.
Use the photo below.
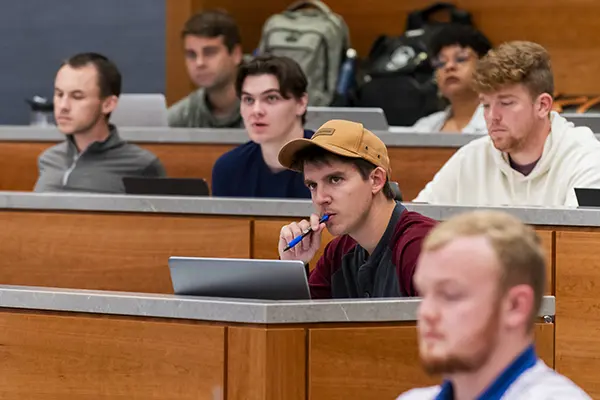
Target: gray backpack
(316, 38)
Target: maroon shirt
(346, 270)
(524, 169)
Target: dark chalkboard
(36, 35)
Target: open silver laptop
(144, 109)
(239, 278)
(371, 118)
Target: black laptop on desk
(166, 186)
(588, 197)
(239, 278)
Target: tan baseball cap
(345, 138)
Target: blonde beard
(453, 362)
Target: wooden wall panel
(577, 305)
(566, 29)
(105, 251)
(50, 357)
(266, 364)
(379, 362)
(366, 20)
(177, 83)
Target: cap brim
(287, 154)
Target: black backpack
(421, 19)
(398, 76)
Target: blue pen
(298, 239)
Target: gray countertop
(228, 136)
(263, 207)
(215, 309)
(225, 136)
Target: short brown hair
(212, 24)
(512, 63)
(109, 76)
(318, 155)
(292, 80)
(517, 246)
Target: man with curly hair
(531, 156)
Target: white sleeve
(430, 123)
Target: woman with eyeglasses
(455, 50)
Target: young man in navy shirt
(347, 169)
(273, 94)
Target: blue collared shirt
(496, 390)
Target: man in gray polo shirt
(93, 158)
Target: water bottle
(346, 73)
(42, 111)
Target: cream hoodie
(480, 175)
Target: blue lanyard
(496, 390)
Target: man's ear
(518, 306)
(544, 105)
(109, 104)
(378, 179)
(237, 54)
(302, 105)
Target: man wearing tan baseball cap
(347, 168)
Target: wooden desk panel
(188, 160)
(547, 238)
(18, 164)
(49, 355)
(18, 161)
(364, 363)
(107, 251)
(377, 363)
(57, 357)
(414, 167)
(577, 308)
(266, 364)
(545, 343)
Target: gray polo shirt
(98, 169)
(193, 112)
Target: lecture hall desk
(123, 242)
(80, 345)
(192, 152)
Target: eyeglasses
(439, 63)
